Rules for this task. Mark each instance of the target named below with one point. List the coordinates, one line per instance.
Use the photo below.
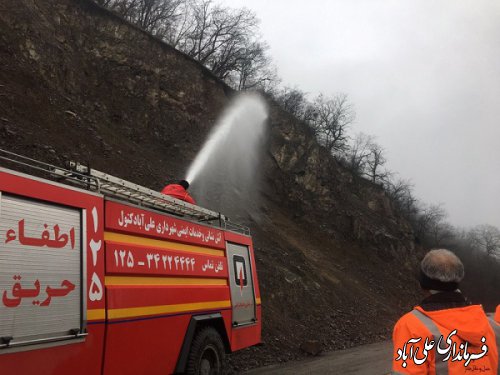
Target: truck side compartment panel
(79, 356)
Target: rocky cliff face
(77, 82)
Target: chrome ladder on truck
(115, 187)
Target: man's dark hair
(184, 184)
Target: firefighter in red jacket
(179, 191)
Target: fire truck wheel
(207, 355)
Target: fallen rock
(312, 347)
(71, 113)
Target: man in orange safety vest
(445, 334)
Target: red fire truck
(102, 276)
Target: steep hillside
(334, 260)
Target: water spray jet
(226, 168)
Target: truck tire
(207, 355)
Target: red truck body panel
(147, 274)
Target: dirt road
(372, 359)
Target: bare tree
(155, 16)
(331, 118)
(486, 238)
(183, 26)
(225, 40)
(428, 219)
(440, 232)
(294, 101)
(221, 38)
(482, 270)
(398, 189)
(358, 153)
(365, 157)
(254, 69)
(376, 162)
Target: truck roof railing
(111, 186)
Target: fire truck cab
(99, 276)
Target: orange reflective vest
(178, 191)
(497, 314)
(468, 342)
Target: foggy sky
(424, 78)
